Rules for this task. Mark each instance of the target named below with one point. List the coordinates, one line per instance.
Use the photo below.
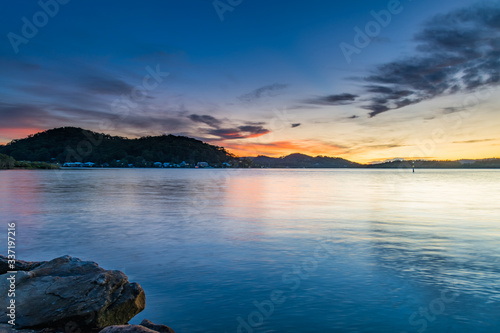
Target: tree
(7, 162)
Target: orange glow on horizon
(282, 148)
(9, 134)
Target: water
(278, 250)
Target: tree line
(72, 144)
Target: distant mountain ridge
(487, 163)
(302, 161)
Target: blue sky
(260, 77)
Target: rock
(20, 265)
(70, 294)
(127, 329)
(156, 327)
(6, 328)
(145, 327)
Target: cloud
(105, 86)
(241, 132)
(475, 141)
(205, 119)
(303, 107)
(340, 99)
(225, 132)
(269, 91)
(42, 117)
(296, 125)
(452, 109)
(22, 115)
(255, 123)
(147, 126)
(456, 52)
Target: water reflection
(207, 244)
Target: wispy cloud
(224, 131)
(206, 119)
(106, 85)
(475, 141)
(22, 115)
(18, 115)
(452, 109)
(240, 132)
(269, 91)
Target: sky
(362, 80)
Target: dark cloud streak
(341, 99)
(475, 141)
(206, 119)
(241, 132)
(249, 130)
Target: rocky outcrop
(20, 265)
(67, 293)
(127, 329)
(145, 327)
(156, 327)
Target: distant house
(158, 164)
(226, 165)
(88, 164)
(202, 164)
(131, 166)
(73, 165)
(166, 165)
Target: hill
(302, 161)
(72, 144)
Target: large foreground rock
(70, 294)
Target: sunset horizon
(281, 149)
(398, 79)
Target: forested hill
(72, 144)
(302, 161)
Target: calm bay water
(278, 250)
